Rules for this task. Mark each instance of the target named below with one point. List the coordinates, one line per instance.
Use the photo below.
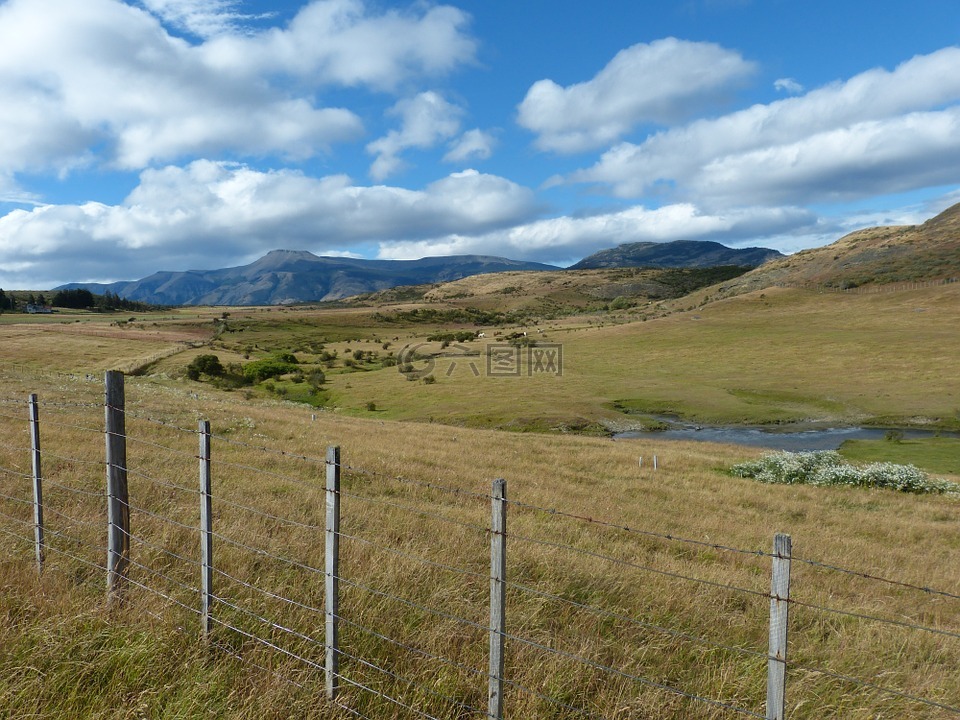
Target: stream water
(779, 438)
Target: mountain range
(290, 276)
(680, 253)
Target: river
(775, 438)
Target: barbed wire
(157, 516)
(261, 513)
(415, 558)
(92, 493)
(54, 511)
(16, 473)
(415, 511)
(380, 693)
(872, 618)
(400, 678)
(411, 648)
(162, 483)
(628, 676)
(873, 686)
(638, 623)
(159, 548)
(420, 483)
(411, 603)
(552, 700)
(877, 578)
(158, 446)
(636, 566)
(44, 454)
(46, 422)
(274, 596)
(16, 448)
(264, 553)
(28, 523)
(25, 501)
(638, 531)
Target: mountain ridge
(678, 253)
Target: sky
(174, 135)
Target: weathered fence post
(332, 573)
(37, 482)
(779, 607)
(206, 532)
(498, 596)
(118, 507)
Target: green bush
(204, 365)
(260, 370)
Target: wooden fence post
(779, 608)
(118, 507)
(206, 532)
(498, 597)
(37, 482)
(332, 574)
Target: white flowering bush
(827, 467)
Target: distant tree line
(78, 299)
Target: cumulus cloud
(551, 240)
(345, 42)
(104, 82)
(881, 131)
(211, 214)
(425, 121)
(473, 144)
(660, 82)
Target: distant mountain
(679, 253)
(289, 276)
(873, 256)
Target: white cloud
(473, 144)
(661, 82)
(345, 42)
(203, 18)
(102, 82)
(210, 214)
(879, 131)
(425, 121)
(788, 85)
(553, 239)
(102, 77)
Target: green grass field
(936, 455)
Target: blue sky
(193, 134)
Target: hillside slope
(679, 253)
(874, 256)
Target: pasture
(414, 464)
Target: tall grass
(415, 557)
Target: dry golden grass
(562, 594)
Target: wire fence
(401, 597)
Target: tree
(204, 365)
(4, 302)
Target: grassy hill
(875, 256)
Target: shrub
(204, 365)
(829, 468)
(260, 370)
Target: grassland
(776, 356)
